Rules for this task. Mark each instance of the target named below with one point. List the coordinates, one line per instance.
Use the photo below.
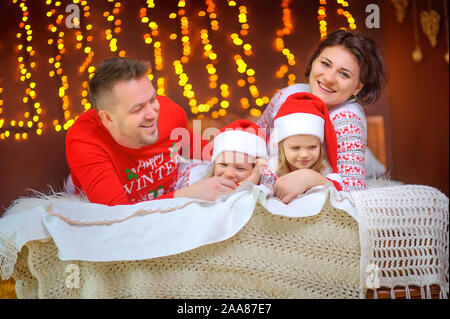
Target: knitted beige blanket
(270, 257)
(400, 238)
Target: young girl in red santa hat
(303, 139)
(239, 152)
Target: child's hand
(289, 186)
(255, 175)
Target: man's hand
(289, 186)
(208, 189)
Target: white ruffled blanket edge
(93, 232)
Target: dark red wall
(418, 102)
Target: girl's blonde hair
(283, 167)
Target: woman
(345, 72)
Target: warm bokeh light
(242, 83)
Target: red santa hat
(304, 113)
(240, 136)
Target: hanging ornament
(430, 24)
(417, 54)
(446, 28)
(400, 7)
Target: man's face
(134, 117)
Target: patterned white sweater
(350, 124)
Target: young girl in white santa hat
(303, 139)
(239, 152)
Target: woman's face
(235, 166)
(301, 151)
(334, 75)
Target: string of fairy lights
(56, 40)
(19, 128)
(279, 43)
(84, 39)
(321, 12)
(216, 106)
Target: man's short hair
(111, 71)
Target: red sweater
(111, 174)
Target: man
(121, 151)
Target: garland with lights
(216, 106)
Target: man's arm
(208, 189)
(95, 173)
(98, 178)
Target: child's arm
(305, 179)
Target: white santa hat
(240, 136)
(304, 113)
